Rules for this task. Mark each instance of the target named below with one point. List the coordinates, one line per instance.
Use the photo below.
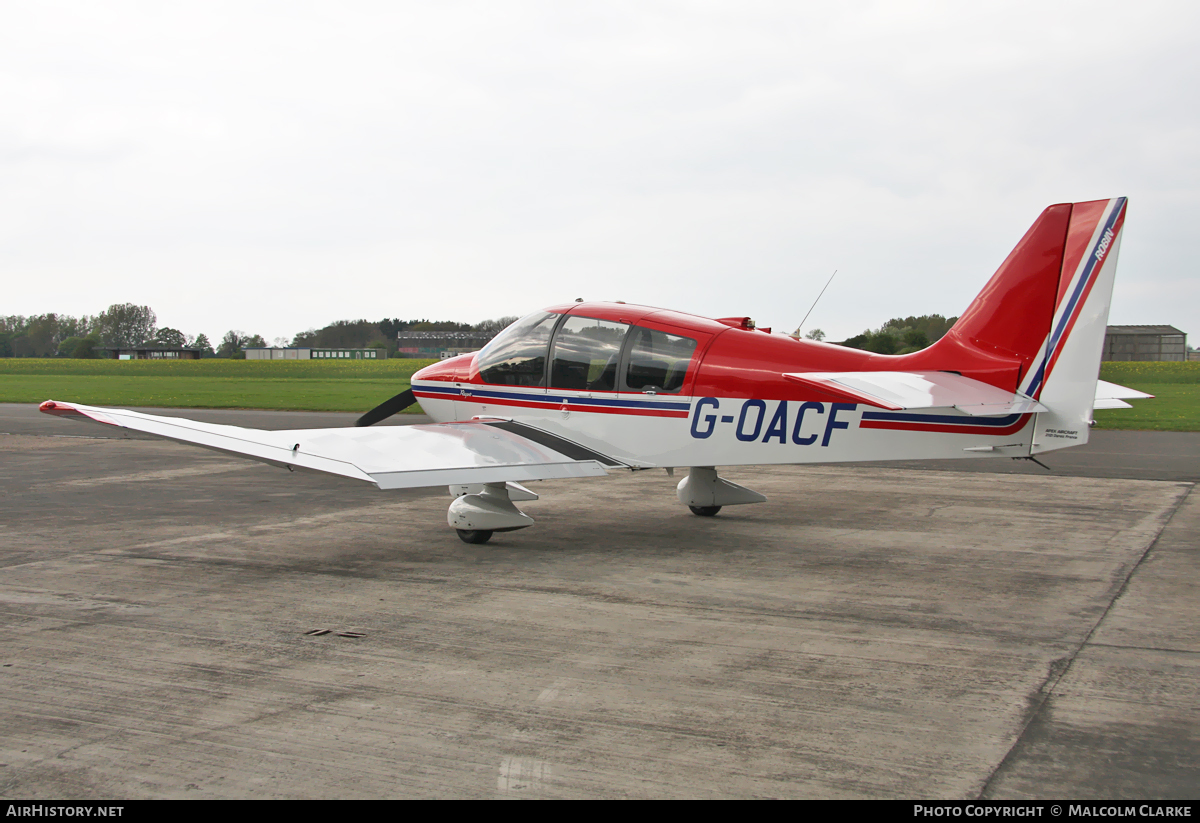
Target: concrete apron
(179, 624)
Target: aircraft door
(659, 362)
(659, 368)
(586, 354)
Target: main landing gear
(705, 493)
(482, 509)
(479, 510)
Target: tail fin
(1038, 325)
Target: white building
(315, 354)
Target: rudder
(1068, 365)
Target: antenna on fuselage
(814, 305)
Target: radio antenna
(814, 305)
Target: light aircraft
(581, 389)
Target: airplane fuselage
(731, 404)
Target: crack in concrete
(1062, 666)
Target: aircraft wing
(1112, 396)
(391, 457)
(896, 390)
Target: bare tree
(498, 325)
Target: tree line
(902, 335)
(360, 334)
(126, 325)
(62, 335)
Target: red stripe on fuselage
(940, 428)
(542, 404)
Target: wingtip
(61, 409)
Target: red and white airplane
(581, 389)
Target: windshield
(517, 355)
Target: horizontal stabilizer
(1111, 391)
(391, 457)
(897, 390)
(1112, 396)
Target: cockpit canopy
(586, 354)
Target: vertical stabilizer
(1011, 316)
(1002, 333)
(1038, 325)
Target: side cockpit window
(588, 355)
(517, 356)
(658, 361)
(586, 352)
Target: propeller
(387, 408)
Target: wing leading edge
(393, 457)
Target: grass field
(1175, 407)
(216, 367)
(358, 385)
(1176, 390)
(312, 385)
(1128, 374)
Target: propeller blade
(387, 408)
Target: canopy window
(586, 351)
(658, 361)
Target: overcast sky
(272, 167)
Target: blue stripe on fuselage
(1008, 420)
(472, 391)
